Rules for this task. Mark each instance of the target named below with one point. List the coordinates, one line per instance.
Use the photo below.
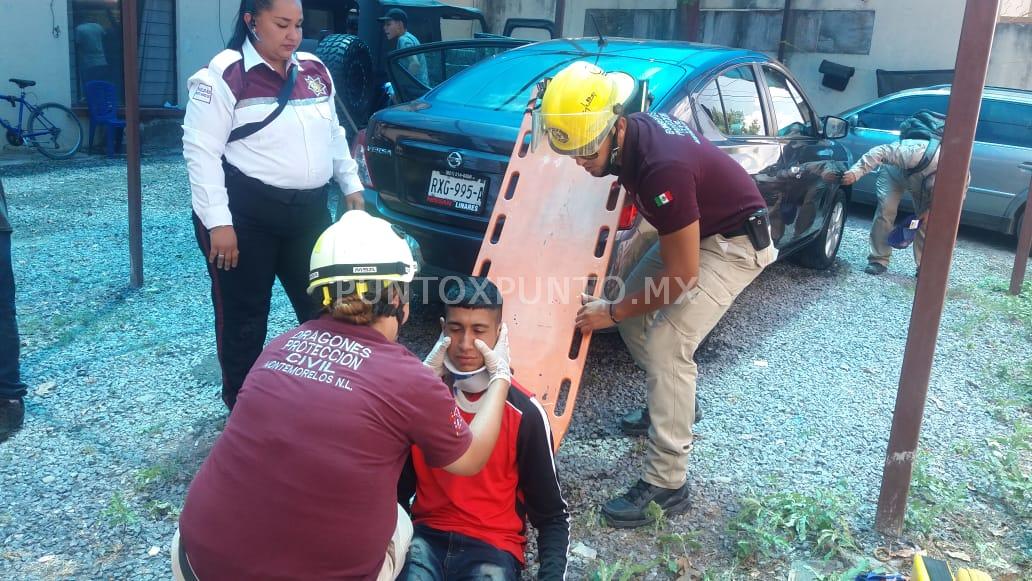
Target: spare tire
(350, 63)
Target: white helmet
(359, 247)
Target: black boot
(12, 414)
(629, 510)
(636, 422)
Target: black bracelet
(612, 313)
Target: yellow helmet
(359, 247)
(580, 106)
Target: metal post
(1024, 241)
(783, 43)
(688, 10)
(976, 37)
(560, 15)
(131, 80)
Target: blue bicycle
(51, 128)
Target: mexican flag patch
(663, 199)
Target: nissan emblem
(454, 160)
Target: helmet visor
(578, 134)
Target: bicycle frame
(22, 106)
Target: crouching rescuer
(714, 239)
(301, 484)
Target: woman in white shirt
(261, 141)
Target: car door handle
(826, 153)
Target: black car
(466, 126)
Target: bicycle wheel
(55, 131)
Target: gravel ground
(798, 385)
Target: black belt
(237, 178)
(740, 231)
(184, 562)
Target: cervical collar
(468, 381)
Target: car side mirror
(835, 127)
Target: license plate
(457, 190)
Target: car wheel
(350, 63)
(820, 253)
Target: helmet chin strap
(612, 167)
(468, 381)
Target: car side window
(793, 115)
(731, 103)
(1005, 123)
(887, 115)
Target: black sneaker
(12, 414)
(629, 511)
(876, 268)
(636, 422)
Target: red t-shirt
(678, 177)
(518, 482)
(301, 484)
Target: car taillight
(627, 217)
(360, 159)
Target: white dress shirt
(301, 149)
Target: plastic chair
(103, 106)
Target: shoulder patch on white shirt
(202, 93)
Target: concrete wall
(899, 41)
(197, 26)
(864, 34)
(498, 12)
(30, 50)
(1010, 64)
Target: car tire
(820, 253)
(350, 63)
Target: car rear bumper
(447, 250)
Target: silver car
(999, 188)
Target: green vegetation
(156, 474)
(657, 515)
(931, 498)
(1009, 469)
(771, 525)
(118, 512)
(620, 571)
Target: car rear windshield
(505, 84)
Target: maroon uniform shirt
(678, 177)
(302, 482)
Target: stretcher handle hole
(575, 345)
(564, 394)
(600, 244)
(485, 267)
(524, 145)
(510, 191)
(496, 233)
(614, 196)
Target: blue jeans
(439, 556)
(11, 386)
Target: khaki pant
(392, 565)
(891, 185)
(663, 343)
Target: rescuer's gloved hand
(435, 359)
(497, 360)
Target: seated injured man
(475, 527)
